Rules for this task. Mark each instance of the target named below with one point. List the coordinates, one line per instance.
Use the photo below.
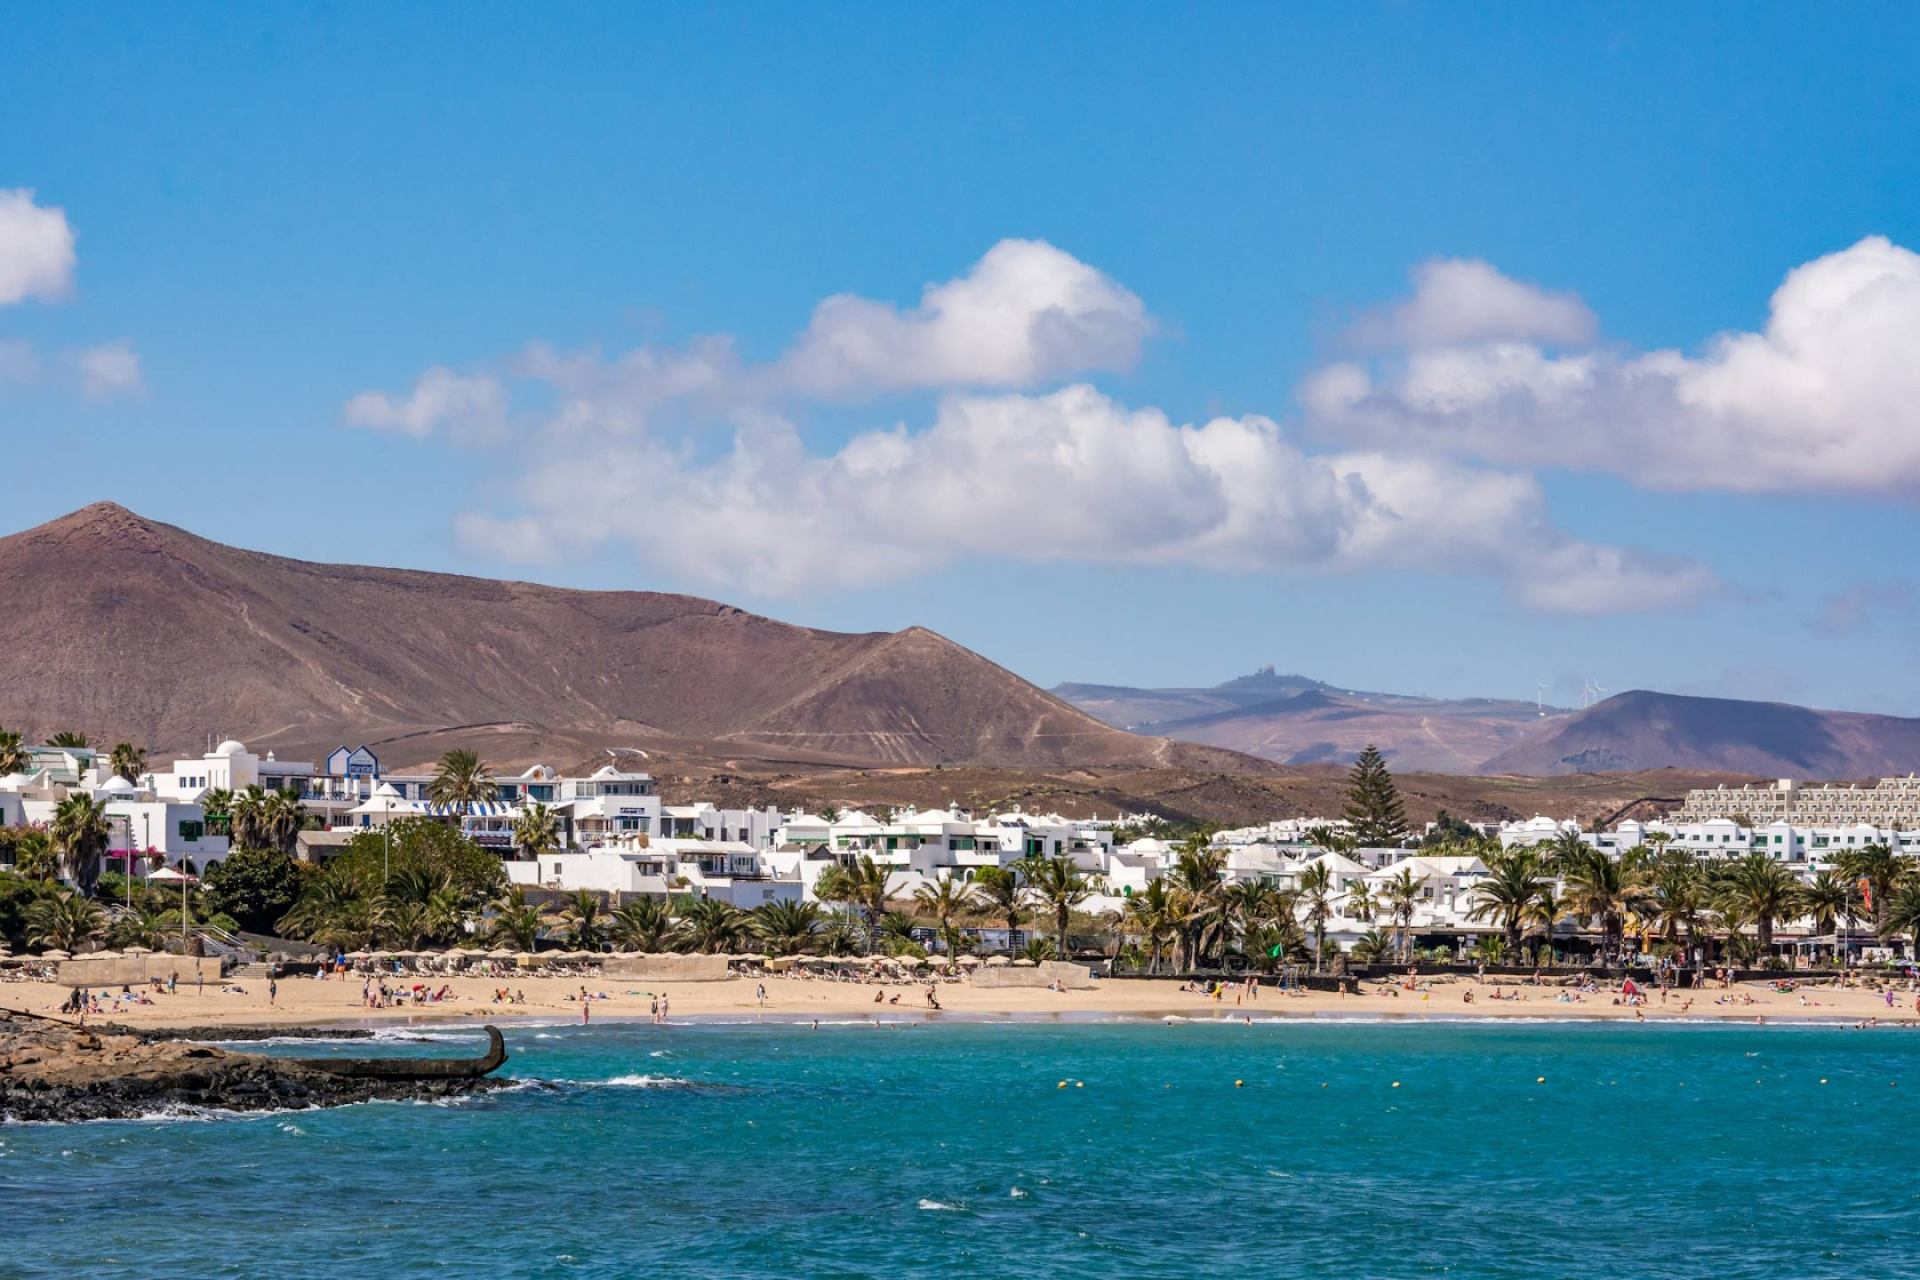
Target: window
(191, 831)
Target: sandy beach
(309, 1002)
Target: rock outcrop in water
(53, 1070)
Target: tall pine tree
(1373, 803)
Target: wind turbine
(1589, 693)
(1540, 698)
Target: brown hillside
(131, 629)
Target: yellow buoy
(1823, 1079)
(1396, 1084)
(1079, 1084)
(1239, 1084)
(1063, 1084)
(1539, 1079)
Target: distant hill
(126, 628)
(1294, 719)
(1644, 730)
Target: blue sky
(276, 211)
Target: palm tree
(1512, 882)
(945, 900)
(1879, 869)
(1402, 894)
(127, 761)
(1564, 852)
(536, 830)
(147, 925)
(1675, 897)
(1902, 914)
(327, 902)
(1360, 904)
(1059, 887)
(712, 926)
(462, 780)
(13, 753)
(582, 917)
(1827, 899)
(80, 830)
(446, 913)
(1151, 913)
(862, 886)
(1373, 945)
(787, 928)
(1316, 890)
(69, 738)
(35, 857)
(1196, 880)
(1600, 891)
(247, 818)
(642, 924)
(1764, 891)
(216, 807)
(517, 921)
(1000, 895)
(405, 920)
(281, 819)
(1546, 910)
(896, 935)
(67, 921)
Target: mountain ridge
(131, 628)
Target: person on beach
(273, 989)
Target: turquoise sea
(780, 1150)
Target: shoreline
(307, 1003)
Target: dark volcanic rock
(52, 1070)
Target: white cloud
(467, 407)
(36, 249)
(1826, 397)
(1463, 300)
(1024, 315)
(1067, 476)
(108, 371)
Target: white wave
(645, 1082)
(1018, 1193)
(935, 1206)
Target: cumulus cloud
(1024, 315)
(1068, 476)
(1826, 397)
(36, 249)
(467, 407)
(1464, 300)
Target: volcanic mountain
(1644, 730)
(128, 629)
(1297, 720)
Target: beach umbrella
(1023, 963)
(499, 953)
(56, 954)
(357, 955)
(139, 951)
(998, 961)
(526, 959)
(970, 962)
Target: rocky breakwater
(55, 1070)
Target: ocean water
(1536, 1150)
